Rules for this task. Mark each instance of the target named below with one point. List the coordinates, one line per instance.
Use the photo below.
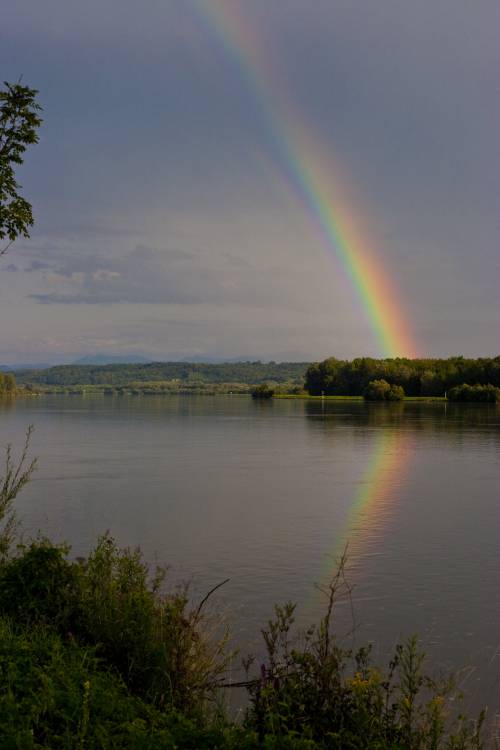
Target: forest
(248, 373)
(417, 377)
(331, 377)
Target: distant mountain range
(137, 359)
(127, 359)
(112, 359)
(22, 366)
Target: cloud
(71, 274)
(37, 265)
(141, 277)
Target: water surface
(268, 494)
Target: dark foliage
(263, 391)
(464, 392)
(19, 123)
(417, 377)
(92, 656)
(58, 695)
(7, 384)
(313, 689)
(40, 587)
(109, 602)
(380, 390)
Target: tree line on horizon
(250, 373)
(417, 377)
(331, 377)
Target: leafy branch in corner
(19, 123)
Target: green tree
(396, 393)
(377, 390)
(488, 393)
(19, 123)
(263, 391)
(9, 383)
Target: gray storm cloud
(156, 181)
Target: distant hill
(203, 359)
(250, 373)
(24, 366)
(111, 359)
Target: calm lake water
(268, 494)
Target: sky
(166, 221)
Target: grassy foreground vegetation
(99, 652)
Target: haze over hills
(25, 366)
(111, 359)
(125, 359)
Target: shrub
(56, 695)
(7, 383)
(163, 649)
(396, 393)
(263, 391)
(41, 587)
(99, 658)
(465, 392)
(380, 390)
(307, 690)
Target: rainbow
(370, 509)
(371, 505)
(313, 176)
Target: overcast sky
(163, 224)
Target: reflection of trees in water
(457, 421)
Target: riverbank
(97, 653)
(159, 389)
(307, 397)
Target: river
(269, 493)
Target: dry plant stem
(337, 585)
(5, 249)
(207, 596)
(16, 476)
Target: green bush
(465, 392)
(161, 647)
(99, 658)
(7, 383)
(56, 695)
(263, 391)
(380, 390)
(41, 587)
